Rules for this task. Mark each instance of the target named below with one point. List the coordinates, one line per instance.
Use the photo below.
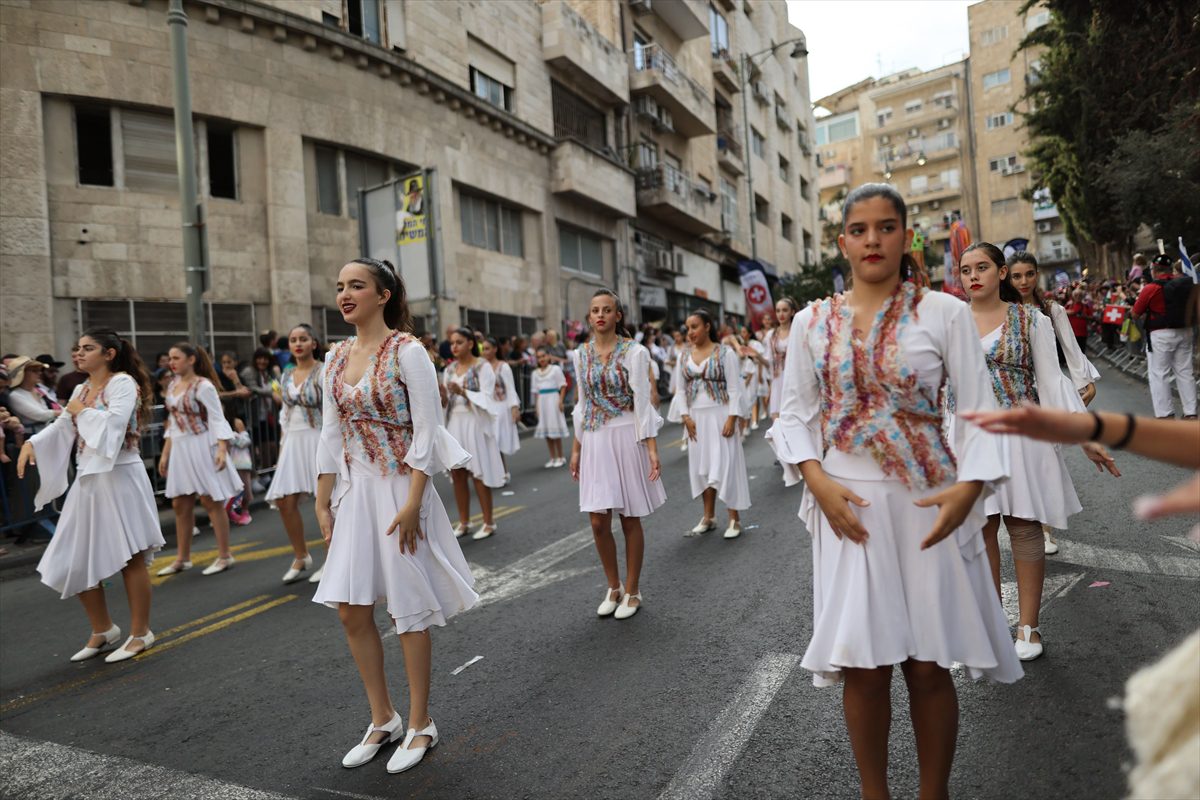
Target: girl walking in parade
(549, 389)
(893, 505)
(390, 540)
(709, 404)
(615, 454)
(300, 433)
(1018, 342)
(508, 404)
(109, 522)
(775, 343)
(195, 457)
(471, 419)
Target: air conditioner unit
(943, 124)
(678, 270)
(663, 260)
(644, 104)
(1017, 168)
(1044, 227)
(1006, 170)
(640, 6)
(664, 120)
(915, 208)
(885, 139)
(760, 91)
(936, 204)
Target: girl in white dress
(709, 404)
(471, 419)
(615, 454)
(548, 385)
(381, 440)
(894, 511)
(109, 522)
(1018, 342)
(508, 404)
(195, 457)
(754, 367)
(300, 433)
(1023, 273)
(776, 346)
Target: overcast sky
(849, 40)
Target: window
(363, 19)
(148, 142)
(641, 56)
(762, 210)
(994, 35)
(222, 161)
(575, 118)
(93, 146)
(785, 226)
(950, 178)
(944, 99)
(1006, 206)
(491, 225)
(153, 327)
(581, 251)
(882, 117)
(647, 154)
(492, 74)
(1035, 21)
(718, 31)
(805, 189)
(912, 106)
(757, 143)
(362, 172)
(997, 78)
(999, 120)
(918, 185)
(329, 199)
(491, 90)
(785, 172)
(997, 164)
(728, 205)
(837, 128)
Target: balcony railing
(651, 57)
(727, 142)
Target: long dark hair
(1008, 292)
(908, 266)
(395, 311)
(204, 365)
(468, 333)
(706, 318)
(620, 328)
(318, 348)
(1024, 257)
(128, 361)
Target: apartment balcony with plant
(655, 74)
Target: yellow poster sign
(411, 218)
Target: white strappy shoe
(294, 573)
(625, 611)
(1027, 650)
(405, 758)
(461, 529)
(122, 653)
(174, 568)
(110, 638)
(316, 576)
(610, 605)
(220, 565)
(733, 531)
(484, 531)
(704, 526)
(363, 752)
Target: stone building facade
(530, 115)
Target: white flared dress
(300, 423)
(752, 379)
(613, 418)
(373, 435)
(195, 424)
(507, 398)
(1081, 370)
(775, 348)
(109, 515)
(546, 385)
(710, 393)
(871, 413)
(1040, 489)
(471, 420)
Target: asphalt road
(251, 692)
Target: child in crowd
(239, 456)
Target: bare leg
(137, 589)
(867, 705)
(462, 494)
(606, 546)
(293, 523)
(709, 496)
(933, 703)
(635, 549)
(484, 493)
(185, 521)
(735, 517)
(220, 524)
(991, 542)
(247, 489)
(1029, 558)
(367, 649)
(418, 657)
(97, 613)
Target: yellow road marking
(212, 616)
(216, 626)
(200, 558)
(502, 511)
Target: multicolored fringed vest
(186, 410)
(470, 382)
(605, 384)
(306, 396)
(711, 377)
(133, 436)
(1010, 359)
(871, 401)
(500, 394)
(779, 354)
(375, 415)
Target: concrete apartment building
(913, 131)
(572, 143)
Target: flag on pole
(758, 293)
(1189, 269)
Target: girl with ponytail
(195, 458)
(471, 411)
(109, 522)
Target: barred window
(490, 224)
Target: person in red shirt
(1162, 305)
(1079, 312)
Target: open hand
(1100, 456)
(407, 523)
(835, 501)
(26, 457)
(954, 503)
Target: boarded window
(149, 147)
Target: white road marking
(1101, 558)
(701, 775)
(49, 771)
(459, 669)
(355, 795)
(1053, 586)
(1190, 545)
(532, 572)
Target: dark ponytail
(1008, 292)
(468, 333)
(620, 328)
(908, 265)
(395, 311)
(204, 365)
(128, 361)
(710, 326)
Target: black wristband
(1098, 429)
(1128, 433)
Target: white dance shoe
(220, 565)
(405, 758)
(683, 447)
(110, 638)
(551, 464)
(484, 532)
(174, 568)
(294, 573)
(316, 576)
(704, 526)
(461, 529)
(363, 752)
(610, 604)
(123, 652)
(625, 611)
(1051, 545)
(734, 530)
(1027, 650)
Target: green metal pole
(194, 269)
(745, 71)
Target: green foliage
(1114, 116)
(811, 282)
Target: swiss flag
(1114, 315)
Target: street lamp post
(747, 64)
